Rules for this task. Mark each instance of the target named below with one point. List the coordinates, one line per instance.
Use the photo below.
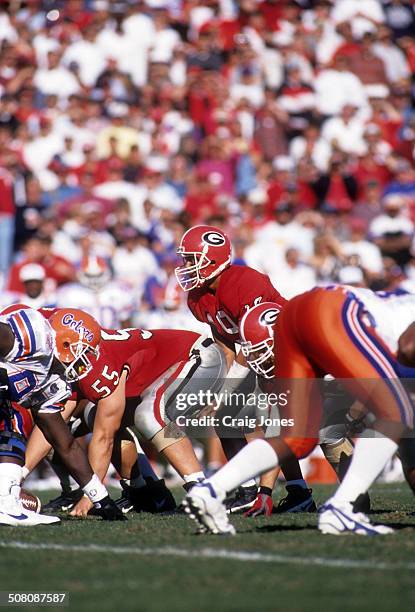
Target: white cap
(285, 163)
(393, 200)
(117, 109)
(377, 90)
(257, 196)
(350, 275)
(32, 271)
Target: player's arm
(6, 339)
(228, 350)
(37, 445)
(107, 422)
(406, 347)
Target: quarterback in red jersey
(219, 294)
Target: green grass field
(153, 563)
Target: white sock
(95, 490)
(249, 483)
(195, 476)
(10, 479)
(370, 456)
(300, 482)
(254, 459)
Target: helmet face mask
(257, 338)
(260, 357)
(188, 275)
(206, 252)
(81, 364)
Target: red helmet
(94, 272)
(206, 252)
(77, 337)
(257, 337)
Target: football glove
(108, 510)
(262, 505)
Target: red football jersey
(239, 288)
(145, 354)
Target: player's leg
(71, 492)
(143, 490)
(337, 431)
(169, 397)
(204, 502)
(58, 434)
(12, 455)
(235, 438)
(299, 497)
(349, 349)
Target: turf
(373, 573)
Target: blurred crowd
(291, 125)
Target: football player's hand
(108, 510)
(82, 507)
(262, 506)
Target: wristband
(265, 491)
(95, 490)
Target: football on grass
(29, 501)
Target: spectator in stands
(393, 231)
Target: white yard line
(212, 553)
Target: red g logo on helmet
(257, 337)
(206, 252)
(77, 337)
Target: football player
(134, 382)
(107, 300)
(219, 293)
(257, 335)
(353, 334)
(38, 360)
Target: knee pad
(301, 447)
(167, 436)
(12, 444)
(334, 451)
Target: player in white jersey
(354, 334)
(108, 301)
(38, 359)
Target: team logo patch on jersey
(213, 239)
(269, 316)
(69, 321)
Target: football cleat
(203, 505)
(155, 497)
(297, 500)
(14, 514)
(64, 502)
(243, 499)
(107, 510)
(262, 506)
(336, 518)
(124, 503)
